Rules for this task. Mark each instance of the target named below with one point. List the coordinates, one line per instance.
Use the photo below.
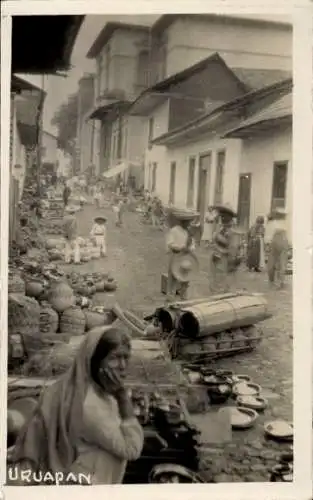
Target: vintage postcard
(156, 182)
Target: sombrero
(100, 219)
(225, 209)
(184, 266)
(182, 213)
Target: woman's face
(116, 363)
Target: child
(71, 233)
(98, 233)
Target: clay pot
(61, 297)
(73, 321)
(34, 288)
(100, 286)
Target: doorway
(244, 201)
(205, 162)
(172, 183)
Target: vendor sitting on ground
(178, 240)
(84, 422)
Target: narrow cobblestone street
(136, 258)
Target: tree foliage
(65, 119)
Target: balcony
(108, 97)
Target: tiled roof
(281, 108)
(255, 79)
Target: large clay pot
(61, 297)
(34, 288)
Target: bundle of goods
(214, 327)
(55, 210)
(52, 226)
(16, 285)
(24, 321)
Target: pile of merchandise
(214, 327)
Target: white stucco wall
(49, 143)
(245, 46)
(182, 154)
(258, 157)
(156, 154)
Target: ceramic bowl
(246, 389)
(279, 430)
(242, 418)
(254, 402)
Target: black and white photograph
(150, 250)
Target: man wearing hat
(179, 243)
(225, 253)
(98, 233)
(277, 240)
(70, 230)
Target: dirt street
(136, 258)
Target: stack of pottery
(16, 284)
(49, 319)
(73, 321)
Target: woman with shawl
(84, 423)
(255, 251)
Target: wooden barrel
(205, 319)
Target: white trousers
(101, 243)
(72, 250)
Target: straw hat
(184, 266)
(100, 219)
(225, 209)
(182, 213)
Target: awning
(100, 112)
(31, 32)
(116, 170)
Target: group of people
(226, 251)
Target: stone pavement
(136, 258)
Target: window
(154, 173)
(219, 178)
(172, 183)
(280, 172)
(150, 131)
(191, 182)
(143, 68)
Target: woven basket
(49, 319)
(24, 319)
(16, 284)
(73, 321)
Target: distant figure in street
(277, 240)
(98, 197)
(118, 209)
(66, 194)
(224, 258)
(178, 240)
(71, 234)
(255, 250)
(209, 227)
(98, 233)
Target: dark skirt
(254, 254)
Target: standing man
(178, 240)
(70, 228)
(277, 240)
(66, 194)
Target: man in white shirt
(277, 239)
(178, 240)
